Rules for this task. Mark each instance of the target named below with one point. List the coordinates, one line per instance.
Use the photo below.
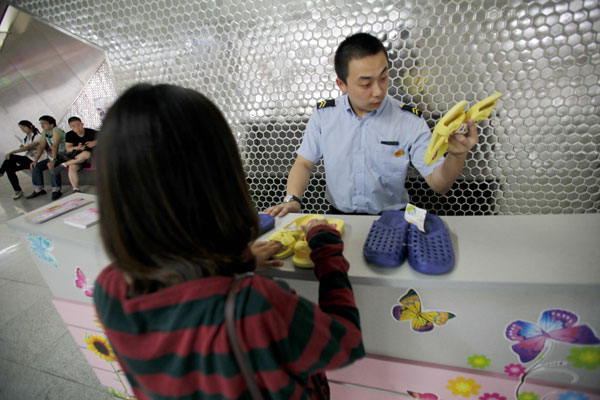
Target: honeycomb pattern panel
(92, 102)
(267, 64)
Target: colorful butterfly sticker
(554, 324)
(422, 396)
(82, 283)
(40, 247)
(410, 309)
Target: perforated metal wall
(92, 102)
(267, 63)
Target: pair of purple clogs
(391, 238)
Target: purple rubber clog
(385, 244)
(431, 252)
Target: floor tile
(61, 389)
(20, 382)
(17, 297)
(66, 360)
(31, 333)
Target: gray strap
(235, 344)
(237, 348)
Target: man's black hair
(355, 46)
(73, 119)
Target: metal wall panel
(267, 63)
(42, 72)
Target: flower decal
(491, 396)
(399, 153)
(528, 396)
(585, 357)
(479, 361)
(41, 247)
(572, 396)
(98, 322)
(119, 395)
(514, 369)
(100, 346)
(463, 387)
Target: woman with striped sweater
(179, 230)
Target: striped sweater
(172, 344)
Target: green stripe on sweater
(207, 311)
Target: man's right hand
(32, 165)
(282, 209)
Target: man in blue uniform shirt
(367, 140)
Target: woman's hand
(263, 251)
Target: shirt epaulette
(411, 109)
(326, 103)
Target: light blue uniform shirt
(366, 159)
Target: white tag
(416, 216)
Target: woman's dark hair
(30, 126)
(174, 203)
(359, 45)
(48, 119)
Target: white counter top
(490, 250)
(56, 228)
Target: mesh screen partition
(268, 63)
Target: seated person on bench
(80, 143)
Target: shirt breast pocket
(390, 159)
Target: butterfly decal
(82, 283)
(41, 247)
(422, 396)
(410, 309)
(556, 325)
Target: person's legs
(80, 159)
(74, 176)
(37, 177)
(3, 166)
(56, 184)
(11, 166)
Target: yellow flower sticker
(463, 387)
(399, 153)
(99, 345)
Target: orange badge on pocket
(399, 153)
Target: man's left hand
(459, 144)
(50, 164)
(263, 251)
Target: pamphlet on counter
(83, 219)
(55, 211)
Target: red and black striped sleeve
(324, 336)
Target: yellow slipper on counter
(302, 249)
(290, 234)
(287, 240)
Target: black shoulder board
(325, 103)
(411, 109)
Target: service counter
(508, 268)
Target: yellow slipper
(438, 145)
(287, 240)
(290, 234)
(301, 257)
(483, 109)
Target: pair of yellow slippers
(454, 120)
(293, 239)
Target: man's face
(367, 83)
(47, 126)
(77, 127)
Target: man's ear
(341, 85)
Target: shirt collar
(350, 111)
